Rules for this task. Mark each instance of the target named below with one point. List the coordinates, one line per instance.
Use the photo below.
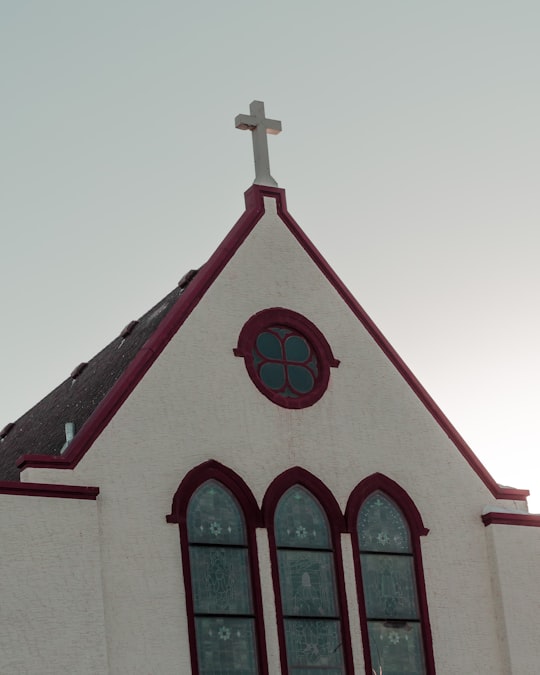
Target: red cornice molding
(524, 519)
(254, 199)
(9, 487)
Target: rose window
(286, 356)
(285, 361)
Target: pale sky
(410, 154)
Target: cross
(259, 126)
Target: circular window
(286, 356)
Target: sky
(410, 154)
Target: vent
(128, 329)
(184, 281)
(78, 370)
(5, 431)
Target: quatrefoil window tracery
(286, 356)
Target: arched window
(393, 607)
(220, 574)
(309, 588)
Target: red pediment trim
(186, 303)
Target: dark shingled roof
(42, 429)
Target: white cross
(259, 126)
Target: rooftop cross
(259, 126)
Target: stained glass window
(221, 583)
(285, 361)
(308, 588)
(389, 585)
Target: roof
(42, 429)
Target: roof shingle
(42, 429)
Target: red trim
(379, 482)
(200, 474)
(279, 316)
(524, 519)
(209, 470)
(9, 487)
(278, 487)
(190, 299)
(153, 347)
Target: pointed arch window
(221, 579)
(310, 597)
(393, 607)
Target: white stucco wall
(51, 608)
(197, 403)
(516, 580)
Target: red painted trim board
(9, 487)
(524, 519)
(186, 303)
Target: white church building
(250, 481)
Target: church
(248, 480)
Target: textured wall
(516, 579)
(51, 607)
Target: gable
(187, 397)
(267, 261)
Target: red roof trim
(12, 487)
(525, 519)
(187, 302)
(153, 347)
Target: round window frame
(279, 316)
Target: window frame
(279, 316)
(336, 525)
(213, 470)
(380, 483)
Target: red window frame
(279, 316)
(380, 483)
(336, 524)
(212, 470)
